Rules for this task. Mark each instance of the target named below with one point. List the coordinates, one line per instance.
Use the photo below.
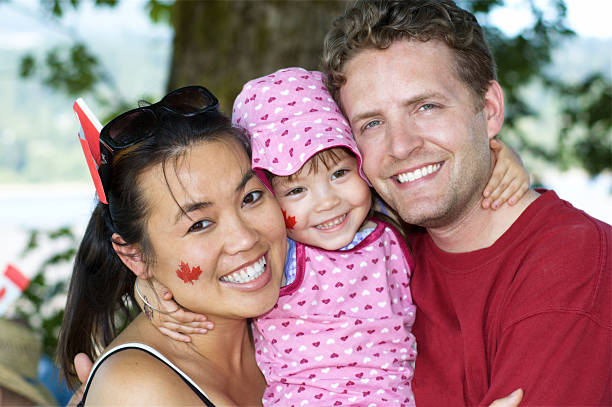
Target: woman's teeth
(331, 224)
(416, 174)
(246, 274)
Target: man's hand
(82, 365)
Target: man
(518, 297)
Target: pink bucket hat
(290, 116)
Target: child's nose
(327, 199)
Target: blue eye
(339, 174)
(371, 124)
(427, 107)
(200, 225)
(252, 197)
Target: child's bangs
(328, 158)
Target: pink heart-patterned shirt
(340, 334)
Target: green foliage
(481, 6)
(41, 304)
(57, 7)
(587, 136)
(160, 11)
(27, 67)
(73, 71)
(524, 56)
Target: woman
(185, 210)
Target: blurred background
(554, 59)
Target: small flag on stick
(89, 136)
(12, 284)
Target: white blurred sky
(23, 26)
(589, 18)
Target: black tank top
(145, 348)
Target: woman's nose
(240, 236)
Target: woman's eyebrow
(191, 207)
(245, 179)
(187, 208)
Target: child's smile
(327, 205)
(332, 223)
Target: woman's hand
(509, 180)
(511, 400)
(166, 315)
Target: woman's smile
(246, 274)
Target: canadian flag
(12, 284)
(89, 136)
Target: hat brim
(33, 391)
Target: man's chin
(427, 215)
(426, 220)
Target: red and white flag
(89, 136)
(12, 284)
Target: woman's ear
(131, 255)
(152, 295)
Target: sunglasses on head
(138, 124)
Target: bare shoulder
(134, 377)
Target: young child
(340, 332)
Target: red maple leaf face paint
(188, 274)
(289, 220)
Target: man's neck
(478, 228)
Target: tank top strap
(153, 352)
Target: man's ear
(131, 255)
(494, 109)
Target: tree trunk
(221, 44)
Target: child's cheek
(188, 274)
(294, 235)
(289, 220)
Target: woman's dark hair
(100, 295)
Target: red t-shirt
(531, 311)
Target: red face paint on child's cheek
(289, 221)
(188, 274)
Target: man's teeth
(331, 224)
(247, 274)
(416, 174)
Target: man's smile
(419, 173)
